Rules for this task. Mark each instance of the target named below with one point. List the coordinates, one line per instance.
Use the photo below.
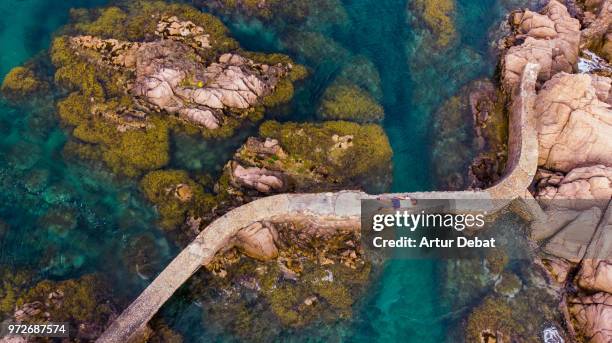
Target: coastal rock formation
(596, 275)
(294, 157)
(597, 35)
(585, 183)
(574, 125)
(257, 241)
(310, 268)
(200, 94)
(83, 303)
(20, 83)
(349, 102)
(550, 39)
(172, 69)
(177, 197)
(593, 314)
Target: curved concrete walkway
(522, 165)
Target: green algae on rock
(173, 68)
(520, 319)
(476, 119)
(349, 102)
(438, 16)
(84, 303)
(300, 157)
(11, 285)
(317, 275)
(20, 83)
(176, 196)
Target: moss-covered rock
(349, 102)
(360, 71)
(438, 16)
(470, 127)
(95, 60)
(317, 277)
(20, 83)
(12, 283)
(176, 196)
(520, 319)
(275, 11)
(84, 303)
(298, 157)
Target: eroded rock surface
(574, 125)
(593, 314)
(585, 183)
(550, 39)
(169, 76)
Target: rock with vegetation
(502, 319)
(84, 303)
(21, 83)
(278, 12)
(309, 157)
(439, 18)
(593, 316)
(177, 198)
(12, 283)
(316, 274)
(139, 72)
(349, 102)
(471, 126)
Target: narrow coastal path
(521, 168)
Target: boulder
(257, 241)
(550, 39)
(574, 125)
(260, 179)
(596, 275)
(584, 183)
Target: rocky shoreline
(174, 69)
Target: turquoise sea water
(66, 218)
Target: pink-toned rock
(257, 241)
(260, 179)
(597, 30)
(596, 275)
(551, 39)
(574, 125)
(165, 80)
(593, 314)
(594, 182)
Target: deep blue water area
(66, 218)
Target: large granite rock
(584, 183)
(551, 39)
(169, 76)
(574, 125)
(593, 314)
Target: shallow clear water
(100, 215)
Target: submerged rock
(21, 83)
(177, 198)
(349, 102)
(83, 303)
(314, 270)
